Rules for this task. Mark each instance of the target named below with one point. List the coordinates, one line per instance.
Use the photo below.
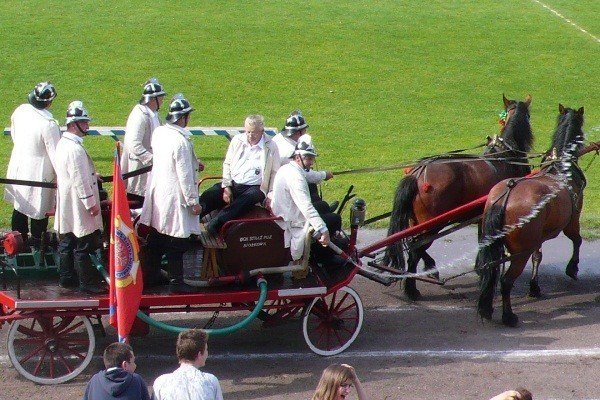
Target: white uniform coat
(286, 147)
(270, 162)
(137, 149)
(173, 184)
(77, 188)
(291, 201)
(35, 134)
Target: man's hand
(201, 165)
(328, 175)
(324, 239)
(94, 210)
(196, 209)
(227, 195)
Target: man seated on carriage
(249, 169)
(294, 132)
(292, 202)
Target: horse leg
(429, 264)
(410, 284)
(534, 287)
(573, 265)
(506, 284)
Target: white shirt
(187, 383)
(291, 201)
(246, 170)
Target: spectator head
(119, 355)
(334, 378)
(192, 346)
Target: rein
(52, 185)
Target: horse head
(568, 136)
(516, 132)
(567, 141)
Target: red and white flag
(126, 283)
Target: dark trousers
(20, 223)
(75, 254)
(244, 198)
(172, 248)
(80, 247)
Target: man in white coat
(137, 149)
(291, 201)
(78, 219)
(249, 170)
(171, 206)
(35, 134)
(293, 132)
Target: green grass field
(380, 83)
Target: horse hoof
(511, 320)
(435, 275)
(572, 273)
(534, 291)
(413, 294)
(486, 313)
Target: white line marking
(568, 21)
(496, 355)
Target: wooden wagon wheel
(332, 322)
(51, 349)
(282, 310)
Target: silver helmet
(152, 88)
(76, 112)
(179, 107)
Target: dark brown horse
(521, 214)
(439, 184)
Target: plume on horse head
(517, 133)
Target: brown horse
(439, 184)
(521, 214)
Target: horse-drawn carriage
(51, 337)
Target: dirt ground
(430, 349)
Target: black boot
(89, 278)
(176, 283)
(66, 271)
(150, 264)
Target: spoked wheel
(278, 311)
(331, 323)
(51, 350)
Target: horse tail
(490, 252)
(402, 212)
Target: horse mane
(517, 133)
(568, 136)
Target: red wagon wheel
(332, 322)
(51, 349)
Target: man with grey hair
(249, 169)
